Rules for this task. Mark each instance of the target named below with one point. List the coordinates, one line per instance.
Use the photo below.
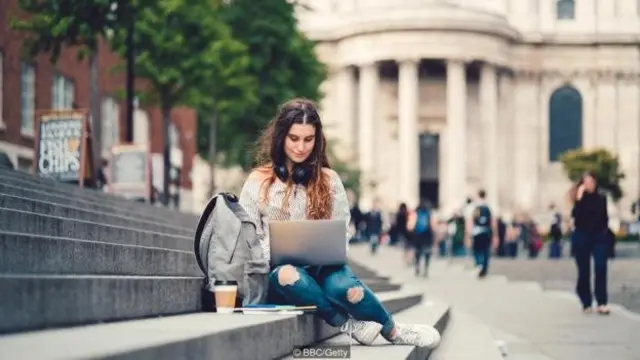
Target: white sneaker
(364, 332)
(416, 335)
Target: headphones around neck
(300, 174)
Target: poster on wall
(130, 171)
(63, 146)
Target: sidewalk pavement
(534, 324)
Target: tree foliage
(600, 162)
(349, 174)
(181, 47)
(52, 25)
(239, 60)
(188, 56)
(283, 63)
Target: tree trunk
(166, 120)
(96, 123)
(213, 132)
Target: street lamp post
(130, 79)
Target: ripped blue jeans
(335, 290)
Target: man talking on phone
(482, 234)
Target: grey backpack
(227, 248)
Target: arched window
(565, 121)
(565, 9)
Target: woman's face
(300, 142)
(589, 183)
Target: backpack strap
(202, 222)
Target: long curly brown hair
(271, 151)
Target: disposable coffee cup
(225, 293)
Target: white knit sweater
(260, 214)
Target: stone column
(367, 99)
(507, 141)
(456, 133)
(408, 131)
(526, 133)
(489, 111)
(346, 110)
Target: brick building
(27, 86)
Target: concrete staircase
(87, 275)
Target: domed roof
(327, 21)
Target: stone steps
(44, 254)
(193, 336)
(66, 281)
(433, 312)
(37, 224)
(365, 272)
(69, 211)
(388, 262)
(466, 338)
(17, 178)
(40, 301)
(81, 203)
(39, 254)
(82, 266)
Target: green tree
(181, 48)
(232, 90)
(52, 25)
(282, 60)
(601, 162)
(350, 174)
(56, 24)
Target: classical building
(435, 99)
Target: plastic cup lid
(225, 282)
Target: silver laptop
(308, 242)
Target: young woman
(590, 238)
(294, 181)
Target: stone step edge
(93, 245)
(199, 335)
(150, 212)
(371, 272)
(22, 253)
(437, 314)
(114, 216)
(52, 237)
(467, 336)
(68, 189)
(95, 276)
(109, 208)
(182, 237)
(48, 276)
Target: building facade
(27, 86)
(435, 99)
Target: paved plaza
(624, 277)
(532, 323)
